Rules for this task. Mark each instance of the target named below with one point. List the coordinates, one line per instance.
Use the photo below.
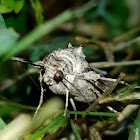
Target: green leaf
(2, 124)
(6, 110)
(75, 131)
(8, 6)
(18, 22)
(7, 39)
(135, 130)
(18, 5)
(105, 114)
(46, 28)
(2, 23)
(38, 10)
(51, 129)
(16, 105)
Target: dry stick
(125, 35)
(112, 87)
(107, 48)
(117, 48)
(126, 44)
(114, 64)
(106, 93)
(127, 111)
(120, 97)
(117, 70)
(102, 125)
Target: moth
(66, 72)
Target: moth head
(58, 77)
(52, 75)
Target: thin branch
(126, 44)
(126, 35)
(114, 64)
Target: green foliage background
(32, 29)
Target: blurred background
(109, 32)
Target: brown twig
(114, 64)
(126, 35)
(106, 93)
(126, 44)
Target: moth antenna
(42, 90)
(29, 75)
(26, 72)
(35, 63)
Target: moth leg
(73, 106)
(66, 104)
(41, 95)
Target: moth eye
(58, 76)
